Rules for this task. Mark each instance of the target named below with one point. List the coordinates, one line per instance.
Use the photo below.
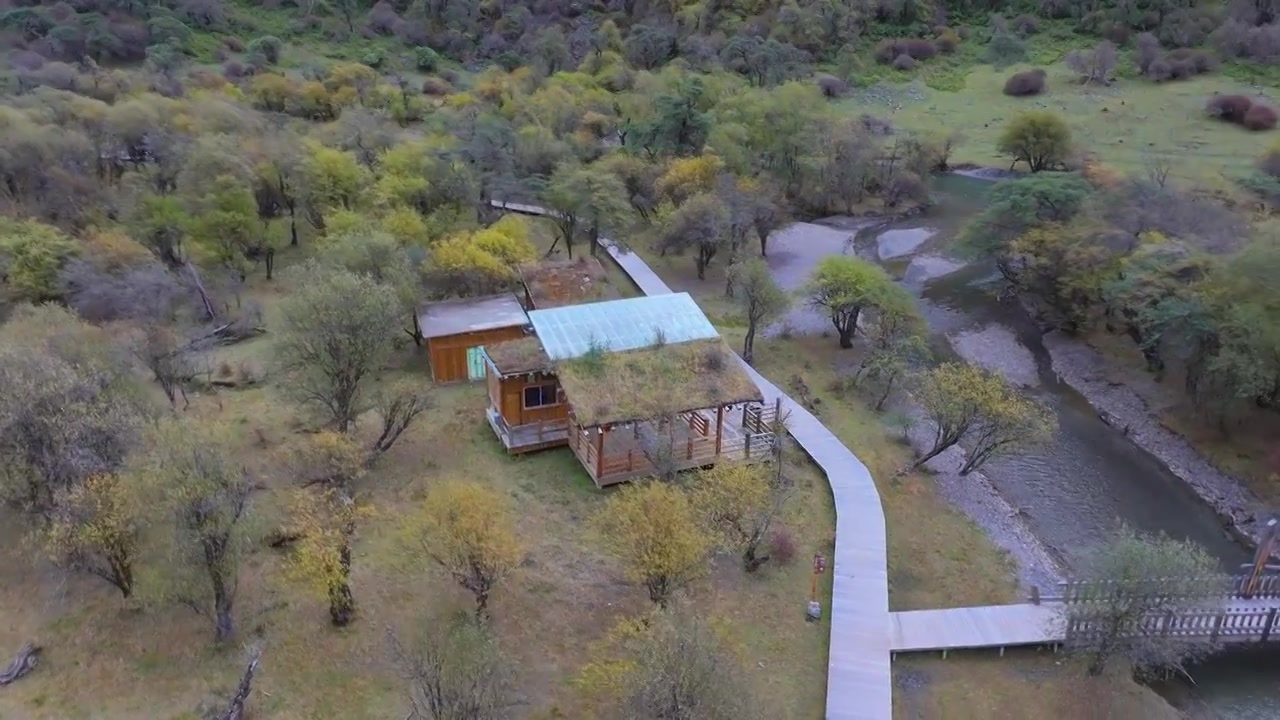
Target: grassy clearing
(109, 662)
(1126, 125)
(937, 556)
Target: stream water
(1090, 478)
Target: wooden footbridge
(1247, 610)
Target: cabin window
(536, 396)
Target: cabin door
(475, 363)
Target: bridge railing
(1174, 588)
(1215, 624)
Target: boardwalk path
(858, 678)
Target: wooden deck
(531, 437)
(1004, 626)
(693, 445)
(859, 682)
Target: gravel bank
(996, 348)
(1127, 407)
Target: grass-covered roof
(519, 356)
(662, 379)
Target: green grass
(1126, 125)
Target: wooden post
(747, 445)
(599, 451)
(719, 428)
(1271, 621)
(777, 410)
(1217, 625)
(1035, 595)
(630, 467)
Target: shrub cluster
(1175, 65)
(1029, 82)
(1241, 110)
(892, 49)
(946, 40)
(832, 86)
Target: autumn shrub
(233, 43)
(903, 62)
(1005, 48)
(1260, 117)
(1025, 25)
(1228, 108)
(382, 18)
(436, 86)
(426, 59)
(1029, 82)
(947, 41)
(235, 70)
(832, 86)
(221, 54)
(1146, 51)
(889, 50)
(1116, 32)
(782, 546)
(268, 46)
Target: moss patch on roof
(519, 356)
(651, 382)
(556, 283)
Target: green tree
(586, 197)
(898, 344)
(759, 298)
(1016, 206)
(223, 226)
(31, 254)
(700, 224)
(653, 530)
(469, 530)
(191, 473)
(337, 331)
(844, 286)
(967, 403)
(1134, 583)
(1039, 138)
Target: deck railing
(1208, 588)
(1215, 624)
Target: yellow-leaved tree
(485, 260)
(738, 504)
(671, 664)
(653, 530)
(325, 522)
(93, 528)
(967, 403)
(469, 530)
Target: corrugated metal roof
(455, 317)
(618, 325)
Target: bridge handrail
(1232, 587)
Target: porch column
(599, 451)
(719, 427)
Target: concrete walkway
(859, 684)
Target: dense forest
(158, 159)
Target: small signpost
(814, 612)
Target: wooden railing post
(1271, 621)
(1217, 626)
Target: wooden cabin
(527, 407)
(634, 387)
(456, 332)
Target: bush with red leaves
(782, 546)
(1260, 117)
(1030, 82)
(1229, 108)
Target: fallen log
(236, 710)
(21, 665)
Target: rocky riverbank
(1127, 407)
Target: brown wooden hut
(457, 331)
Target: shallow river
(1090, 478)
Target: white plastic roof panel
(619, 325)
